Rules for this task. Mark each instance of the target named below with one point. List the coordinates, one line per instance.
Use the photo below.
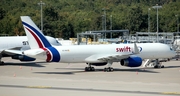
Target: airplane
(130, 55)
(15, 43)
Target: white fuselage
(90, 53)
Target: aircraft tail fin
(35, 37)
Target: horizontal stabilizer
(12, 52)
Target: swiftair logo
(125, 49)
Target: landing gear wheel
(156, 66)
(159, 66)
(89, 69)
(1, 63)
(109, 69)
(162, 66)
(92, 69)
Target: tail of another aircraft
(38, 43)
(35, 37)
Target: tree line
(66, 18)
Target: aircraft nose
(172, 53)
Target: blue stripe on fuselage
(56, 55)
(42, 38)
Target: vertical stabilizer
(35, 37)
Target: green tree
(67, 30)
(2, 13)
(135, 19)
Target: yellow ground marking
(171, 93)
(39, 86)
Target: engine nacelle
(98, 64)
(23, 58)
(132, 61)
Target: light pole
(102, 35)
(41, 3)
(111, 25)
(104, 21)
(149, 24)
(157, 7)
(177, 23)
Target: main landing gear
(106, 69)
(89, 68)
(109, 68)
(158, 64)
(1, 62)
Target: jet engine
(132, 61)
(23, 58)
(98, 64)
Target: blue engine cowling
(132, 61)
(98, 64)
(23, 58)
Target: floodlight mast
(41, 3)
(111, 25)
(149, 24)
(157, 7)
(103, 9)
(177, 22)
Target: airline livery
(12, 46)
(130, 55)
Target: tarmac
(62, 79)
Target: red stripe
(48, 54)
(37, 39)
(41, 46)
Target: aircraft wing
(106, 57)
(11, 52)
(113, 57)
(16, 48)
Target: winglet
(136, 50)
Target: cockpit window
(57, 42)
(171, 49)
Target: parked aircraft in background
(18, 43)
(130, 55)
